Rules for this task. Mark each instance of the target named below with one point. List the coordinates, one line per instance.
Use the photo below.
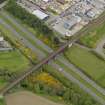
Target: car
(60, 69)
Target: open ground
(27, 98)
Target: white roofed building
(41, 15)
(46, 0)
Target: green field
(88, 62)
(95, 33)
(13, 61)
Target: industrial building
(41, 15)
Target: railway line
(40, 64)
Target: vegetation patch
(50, 81)
(46, 83)
(2, 102)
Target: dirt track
(27, 98)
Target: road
(74, 80)
(27, 32)
(49, 50)
(99, 48)
(60, 59)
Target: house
(4, 45)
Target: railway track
(41, 63)
(36, 67)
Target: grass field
(66, 82)
(95, 33)
(13, 61)
(88, 62)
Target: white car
(60, 69)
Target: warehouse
(41, 15)
(46, 0)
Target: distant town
(65, 16)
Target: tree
(56, 40)
(67, 95)
(37, 88)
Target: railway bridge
(36, 67)
(50, 57)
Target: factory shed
(46, 0)
(41, 15)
